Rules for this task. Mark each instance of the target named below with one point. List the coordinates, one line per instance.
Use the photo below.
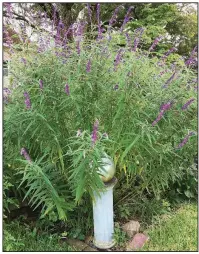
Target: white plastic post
(103, 217)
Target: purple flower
(187, 103)
(88, 66)
(126, 18)
(168, 82)
(27, 100)
(116, 87)
(185, 140)
(99, 23)
(25, 154)
(168, 53)
(89, 12)
(128, 40)
(163, 108)
(41, 84)
(155, 43)
(191, 58)
(94, 133)
(118, 58)
(67, 91)
(8, 7)
(113, 19)
(6, 93)
(23, 60)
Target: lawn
(174, 232)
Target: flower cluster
(67, 91)
(118, 58)
(94, 133)
(185, 140)
(168, 82)
(138, 33)
(126, 18)
(88, 66)
(155, 43)
(187, 103)
(27, 100)
(191, 58)
(168, 53)
(89, 12)
(25, 154)
(41, 84)
(163, 108)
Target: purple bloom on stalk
(8, 7)
(27, 100)
(168, 82)
(94, 133)
(128, 40)
(88, 66)
(185, 140)
(67, 91)
(163, 108)
(25, 154)
(89, 12)
(126, 18)
(23, 60)
(187, 103)
(118, 58)
(41, 84)
(155, 43)
(113, 19)
(168, 53)
(191, 58)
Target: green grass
(21, 238)
(174, 232)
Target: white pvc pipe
(103, 217)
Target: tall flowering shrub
(100, 98)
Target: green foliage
(120, 236)
(186, 187)
(63, 167)
(24, 238)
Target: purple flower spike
(89, 12)
(155, 43)
(126, 18)
(187, 103)
(185, 140)
(94, 133)
(67, 91)
(88, 66)
(25, 154)
(118, 58)
(23, 60)
(163, 108)
(78, 47)
(128, 40)
(168, 82)
(168, 53)
(41, 84)
(191, 58)
(27, 100)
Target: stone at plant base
(77, 244)
(137, 242)
(131, 228)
